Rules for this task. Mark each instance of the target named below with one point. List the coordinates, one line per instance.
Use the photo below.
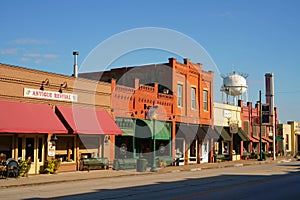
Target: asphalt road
(269, 181)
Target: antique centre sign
(42, 94)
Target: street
(269, 181)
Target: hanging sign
(51, 149)
(42, 94)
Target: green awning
(223, 133)
(126, 125)
(277, 138)
(127, 132)
(243, 135)
(162, 129)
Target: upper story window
(179, 95)
(193, 98)
(205, 100)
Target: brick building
(251, 125)
(181, 93)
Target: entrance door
(180, 149)
(29, 150)
(205, 151)
(192, 152)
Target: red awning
(252, 139)
(21, 117)
(87, 121)
(267, 139)
(258, 139)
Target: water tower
(234, 85)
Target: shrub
(24, 167)
(51, 166)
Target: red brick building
(251, 125)
(182, 95)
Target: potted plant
(52, 166)
(24, 166)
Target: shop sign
(234, 128)
(51, 149)
(42, 94)
(227, 114)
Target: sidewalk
(100, 174)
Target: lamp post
(260, 128)
(152, 115)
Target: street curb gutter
(139, 173)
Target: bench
(246, 156)
(124, 163)
(220, 157)
(168, 160)
(94, 163)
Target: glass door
(193, 151)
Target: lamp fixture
(106, 138)
(53, 139)
(45, 83)
(63, 85)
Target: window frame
(193, 98)
(205, 100)
(179, 95)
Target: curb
(133, 173)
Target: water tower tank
(234, 84)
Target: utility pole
(260, 128)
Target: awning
(243, 135)
(257, 138)
(208, 133)
(162, 130)
(252, 139)
(267, 139)
(87, 121)
(224, 134)
(126, 125)
(188, 131)
(277, 138)
(21, 117)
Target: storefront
(89, 130)
(47, 116)
(24, 129)
(139, 136)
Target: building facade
(190, 112)
(295, 137)
(285, 145)
(233, 141)
(47, 115)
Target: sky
(250, 37)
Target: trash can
(141, 165)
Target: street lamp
(152, 115)
(260, 129)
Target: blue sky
(256, 37)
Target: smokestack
(75, 53)
(270, 100)
(270, 91)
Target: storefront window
(124, 147)
(163, 148)
(29, 154)
(6, 146)
(20, 146)
(65, 149)
(40, 149)
(193, 149)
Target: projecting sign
(41, 94)
(227, 114)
